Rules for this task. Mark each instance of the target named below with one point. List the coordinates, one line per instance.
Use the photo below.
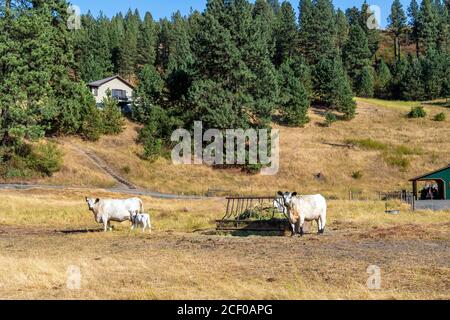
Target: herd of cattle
(299, 209)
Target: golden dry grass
(304, 153)
(42, 233)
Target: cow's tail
(141, 204)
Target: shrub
(417, 112)
(126, 169)
(45, 159)
(330, 118)
(357, 175)
(440, 117)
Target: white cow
(114, 210)
(141, 220)
(305, 208)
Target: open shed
(435, 194)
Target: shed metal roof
(430, 173)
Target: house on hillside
(434, 192)
(121, 90)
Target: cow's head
(91, 202)
(287, 198)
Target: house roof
(430, 173)
(101, 82)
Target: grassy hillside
(390, 149)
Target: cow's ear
(280, 193)
(97, 200)
(294, 194)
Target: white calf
(141, 220)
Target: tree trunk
(417, 48)
(7, 8)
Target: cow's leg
(105, 223)
(323, 221)
(319, 224)
(301, 224)
(293, 229)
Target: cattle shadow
(80, 231)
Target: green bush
(417, 112)
(45, 159)
(440, 117)
(357, 175)
(330, 118)
(126, 169)
(26, 160)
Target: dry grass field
(409, 147)
(43, 232)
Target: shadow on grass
(81, 231)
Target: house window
(95, 92)
(119, 94)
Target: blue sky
(165, 8)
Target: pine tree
(366, 84)
(356, 53)
(286, 35)
(112, 119)
(413, 12)
(399, 70)
(294, 101)
(147, 38)
(128, 49)
(116, 35)
(275, 5)
(263, 13)
(372, 34)
(332, 87)
(383, 81)
(318, 30)
(93, 49)
(433, 74)
(343, 29)
(51, 101)
(148, 93)
(443, 27)
(180, 55)
(397, 24)
(427, 26)
(353, 15)
(412, 84)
